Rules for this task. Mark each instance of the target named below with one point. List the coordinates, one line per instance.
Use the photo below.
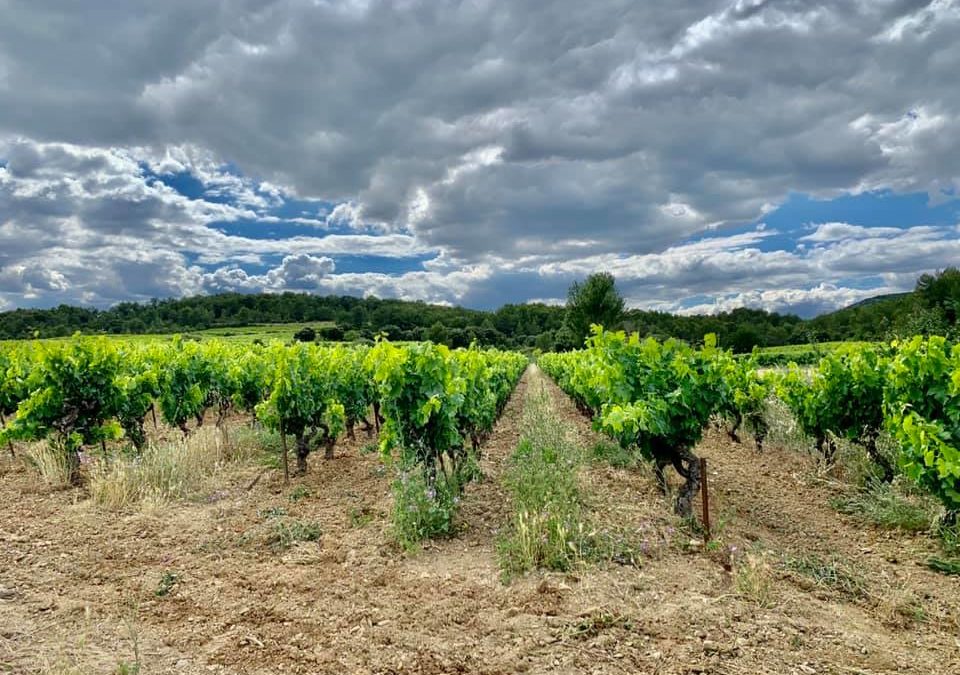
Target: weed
(547, 529)
(783, 428)
(595, 623)
(950, 538)
(286, 535)
(882, 504)
(900, 607)
(270, 446)
(948, 566)
(163, 473)
(833, 573)
(133, 633)
(628, 546)
(614, 455)
(360, 516)
(754, 580)
(423, 510)
(51, 465)
(298, 493)
(167, 583)
(272, 512)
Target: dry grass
(899, 607)
(755, 580)
(164, 473)
(51, 466)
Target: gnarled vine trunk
(732, 431)
(869, 442)
(827, 448)
(73, 466)
(303, 449)
(687, 465)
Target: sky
(779, 154)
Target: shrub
(305, 334)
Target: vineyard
(659, 397)
(348, 508)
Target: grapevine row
(86, 391)
(658, 397)
(909, 388)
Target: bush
(305, 334)
(331, 333)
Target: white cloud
(839, 231)
(537, 142)
(821, 298)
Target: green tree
(595, 301)
(744, 339)
(438, 334)
(941, 291)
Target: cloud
(89, 225)
(839, 231)
(537, 142)
(808, 301)
(300, 272)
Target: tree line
(932, 308)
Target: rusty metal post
(706, 498)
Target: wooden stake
(706, 498)
(153, 411)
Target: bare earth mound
(213, 585)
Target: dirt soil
(79, 586)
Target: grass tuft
(164, 473)
(884, 505)
(833, 573)
(755, 580)
(51, 465)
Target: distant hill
(877, 299)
